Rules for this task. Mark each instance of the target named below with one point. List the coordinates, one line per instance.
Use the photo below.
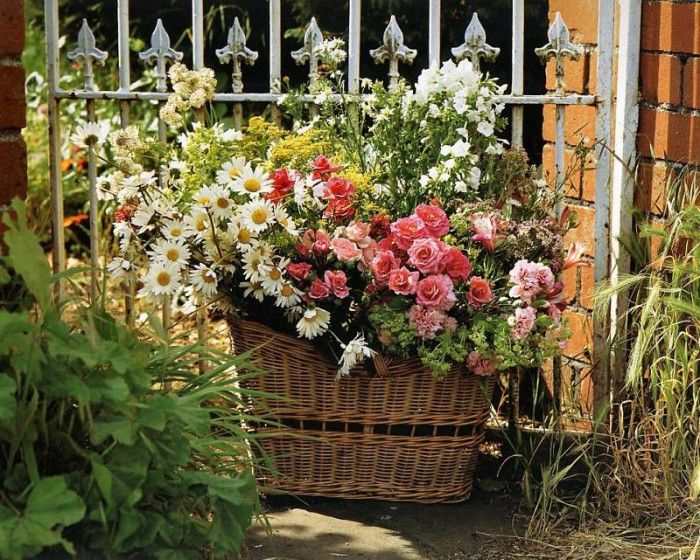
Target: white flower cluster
(458, 80)
(331, 52)
(191, 89)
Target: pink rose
(436, 222)
(455, 264)
(479, 364)
(338, 187)
(298, 271)
(359, 233)
(339, 209)
(403, 281)
(382, 265)
(426, 254)
(321, 167)
(523, 322)
(436, 292)
(345, 250)
(479, 292)
(322, 242)
(368, 253)
(336, 282)
(318, 289)
(407, 230)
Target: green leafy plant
(111, 446)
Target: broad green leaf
(8, 402)
(103, 477)
(122, 429)
(51, 502)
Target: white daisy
(286, 221)
(230, 171)
(252, 182)
(231, 135)
(122, 231)
(162, 278)
(171, 251)
(142, 216)
(120, 269)
(288, 295)
(274, 280)
(197, 222)
(257, 215)
(253, 289)
(90, 134)
(221, 203)
(243, 237)
(313, 323)
(204, 280)
(354, 352)
(174, 229)
(256, 264)
(204, 197)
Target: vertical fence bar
(434, 33)
(124, 60)
(58, 251)
(94, 209)
(604, 75)
(623, 172)
(354, 32)
(197, 34)
(275, 53)
(517, 83)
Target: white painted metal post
(354, 31)
(197, 34)
(434, 33)
(275, 53)
(604, 75)
(517, 82)
(124, 60)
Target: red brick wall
(13, 154)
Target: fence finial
(236, 52)
(87, 51)
(475, 46)
(394, 50)
(160, 53)
(312, 39)
(559, 47)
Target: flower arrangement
(403, 227)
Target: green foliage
(391, 322)
(451, 348)
(110, 445)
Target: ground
(483, 528)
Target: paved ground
(325, 529)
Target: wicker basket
(401, 436)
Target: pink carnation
(336, 282)
(345, 250)
(403, 281)
(479, 364)
(455, 264)
(407, 230)
(436, 222)
(426, 255)
(529, 279)
(429, 322)
(523, 322)
(436, 292)
(382, 265)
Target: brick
(12, 100)
(580, 344)
(12, 35)
(587, 289)
(13, 162)
(660, 78)
(576, 74)
(586, 226)
(669, 135)
(579, 122)
(570, 279)
(579, 171)
(650, 188)
(671, 27)
(580, 16)
(691, 84)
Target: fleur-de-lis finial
(393, 50)
(559, 47)
(87, 51)
(160, 53)
(236, 52)
(312, 39)
(475, 46)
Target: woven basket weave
(401, 436)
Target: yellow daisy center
(259, 216)
(287, 290)
(252, 184)
(163, 278)
(222, 202)
(275, 274)
(234, 172)
(176, 232)
(203, 200)
(200, 224)
(254, 264)
(172, 254)
(243, 235)
(208, 277)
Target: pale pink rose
(407, 230)
(428, 322)
(318, 289)
(455, 264)
(345, 250)
(436, 292)
(368, 253)
(403, 281)
(359, 233)
(426, 255)
(436, 221)
(336, 282)
(479, 364)
(485, 230)
(382, 265)
(523, 322)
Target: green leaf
(121, 428)
(103, 477)
(8, 403)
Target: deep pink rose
(338, 187)
(345, 250)
(436, 292)
(336, 282)
(407, 230)
(455, 264)
(436, 222)
(318, 289)
(479, 364)
(425, 255)
(479, 292)
(523, 322)
(403, 281)
(382, 265)
(321, 167)
(298, 271)
(339, 209)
